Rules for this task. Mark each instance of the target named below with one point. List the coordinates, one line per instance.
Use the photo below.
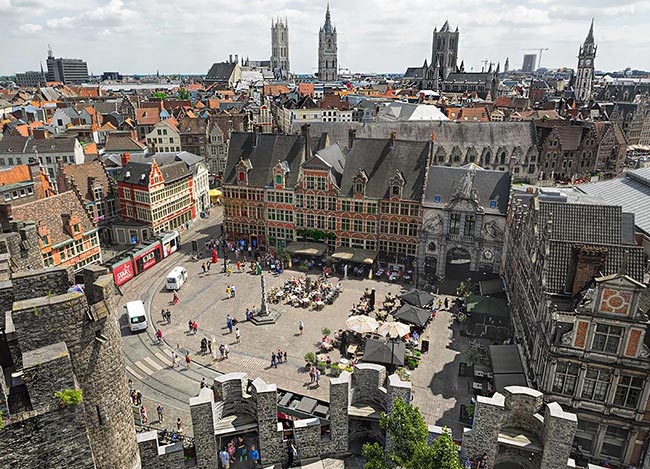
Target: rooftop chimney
(230, 58)
(124, 158)
(589, 261)
(236, 58)
(352, 134)
(307, 135)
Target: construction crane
(540, 50)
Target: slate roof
(189, 125)
(631, 192)
(18, 144)
(414, 72)
(592, 225)
(491, 186)
(334, 156)
(190, 159)
(447, 134)
(48, 212)
(220, 71)
(136, 170)
(470, 77)
(270, 149)
(381, 160)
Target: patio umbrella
(393, 329)
(487, 305)
(412, 315)
(384, 353)
(417, 298)
(361, 324)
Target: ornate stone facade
(464, 221)
(585, 74)
(280, 49)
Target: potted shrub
(321, 366)
(310, 358)
(325, 331)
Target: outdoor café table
(320, 304)
(344, 361)
(279, 294)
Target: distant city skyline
(143, 36)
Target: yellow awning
(360, 256)
(215, 193)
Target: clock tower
(585, 76)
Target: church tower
(327, 50)
(445, 49)
(585, 75)
(280, 48)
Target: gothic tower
(327, 50)
(585, 75)
(280, 48)
(445, 49)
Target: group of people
(303, 291)
(278, 357)
(237, 451)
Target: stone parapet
(45, 371)
(155, 456)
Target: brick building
(95, 188)
(24, 183)
(157, 196)
(580, 316)
(67, 235)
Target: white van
(136, 315)
(176, 278)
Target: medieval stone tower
(280, 48)
(61, 339)
(327, 50)
(444, 54)
(585, 75)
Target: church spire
(590, 35)
(328, 20)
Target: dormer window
(359, 187)
(76, 228)
(493, 203)
(242, 176)
(396, 190)
(45, 239)
(397, 185)
(278, 179)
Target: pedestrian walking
(446, 303)
(254, 455)
(226, 350)
(130, 383)
(312, 374)
(279, 355)
(163, 314)
(317, 376)
(208, 264)
(168, 315)
(188, 361)
(179, 425)
(138, 397)
(293, 453)
(239, 266)
(203, 267)
(159, 336)
(204, 382)
(285, 356)
(189, 325)
(143, 415)
(204, 345)
(161, 410)
(195, 327)
(133, 397)
(237, 335)
(214, 353)
(229, 324)
(222, 351)
(274, 362)
(301, 326)
(209, 346)
(175, 297)
(174, 359)
(232, 291)
(228, 293)
(224, 457)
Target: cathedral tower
(327, 50)
(444, 52)
(280, 48)
(585, 76)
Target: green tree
(183, 93)
(409, 447)
(159, 95)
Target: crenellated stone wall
(155, 456)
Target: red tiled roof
(14, 174)
(147, 116)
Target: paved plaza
(437, 388)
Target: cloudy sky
(186, 36)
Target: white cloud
(374, 35)
(31, 28)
